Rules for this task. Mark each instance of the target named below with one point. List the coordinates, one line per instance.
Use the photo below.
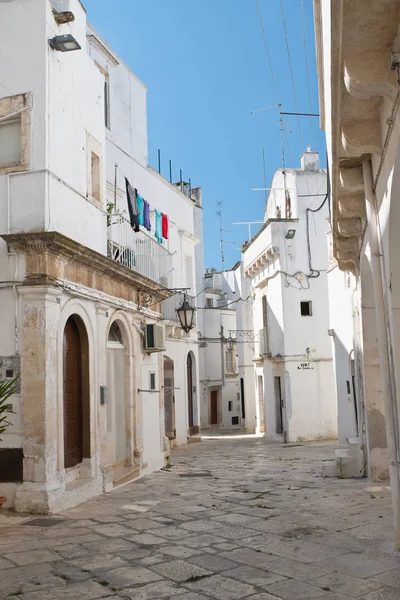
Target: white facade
(358, 61)
(286, 263)
(77, 285)
(221, 398)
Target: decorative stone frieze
(369, 74)
(52, 257)
(349, 228)
(351, 206)
(361, 137)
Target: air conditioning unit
(154, 338)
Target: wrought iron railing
(137, 251)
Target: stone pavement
(231, 519)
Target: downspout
(384, 344)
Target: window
(209, 303)
(95, 176)
(230, 405)
(229, 364)
(152, 381)
(107, 101)
(265, 311)
(306, 308)
(10, 142)
(189, 273)
(235, 420)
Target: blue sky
(205, 66)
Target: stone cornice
(362, 37)
(52, 257)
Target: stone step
(343, 467)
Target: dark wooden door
(190, 389)
(278, 405)
(214, 408)
(73, 425)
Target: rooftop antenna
(221, 232)
(249, 224)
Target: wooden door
(73, 417)
(278, 405)
(214, 408)
(190, 389)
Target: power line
(303, 26)
(267, 51)
(290, 68)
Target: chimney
(310, 160)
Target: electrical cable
(303, 26)
(267, 51)
(290, 69)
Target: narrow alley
(230, 518)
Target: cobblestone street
(232, 518)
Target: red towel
(165, 226)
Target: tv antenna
(221, 235)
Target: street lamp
(64, 43)
(186, 315)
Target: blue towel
(140, 203)
(158, 228)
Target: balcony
(171, 304)
(139, 252)
(263, 342)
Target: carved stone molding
(350, 227)
(351, 179)
(351, 206)
(361, 137)
(369, 74)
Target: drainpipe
(384, 344)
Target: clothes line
(139, 210)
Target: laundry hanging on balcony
(140, 202)
(164, 226)
(131, 194)
(158, 228)
(146, 216)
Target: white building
(226, 352)
(106, 372)
(219, 380)
(358, 70)
(287, 262)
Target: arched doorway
(169, 398)
(116, 406)
(76, 393)
(189, 367)
(192, 394)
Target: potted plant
(8, 387)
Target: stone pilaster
(41, 310)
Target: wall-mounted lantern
(230, 343)
(290, 234)
(186, 315)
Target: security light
(290, 234)
(64, 43)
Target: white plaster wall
(341, 321)
(310, 401)
(67, 97)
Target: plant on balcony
(8, 387)
(112, 216)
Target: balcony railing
(138, 251)
(263, 341)
(171, 304)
